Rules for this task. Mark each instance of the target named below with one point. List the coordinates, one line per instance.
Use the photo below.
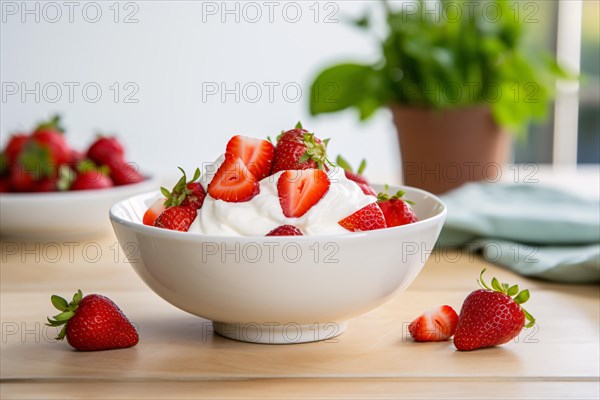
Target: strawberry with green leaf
(92, 322)
(492, 316)
(90, 176)
(357, 176)
(185, 193)
(178, 209)
(396, 210)
(299, 149)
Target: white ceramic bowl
(63, 215)
(278, 289)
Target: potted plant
(456, 77)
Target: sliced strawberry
(299, 190)
(285, 230)
(176, 218)
(233, 182)
(367, 218)
(154, 211)
(396, 210)
(434, 325)
(257, 154)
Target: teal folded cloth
(534, 230)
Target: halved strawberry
(176, 218)
(299, 190)
(367, 218)
(285, 230)
(434, 325)
(257, 154)
(233, 182)
(154, 211)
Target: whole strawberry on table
(92, 322)
(302, 161)
(43, 161)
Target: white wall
(170, 53)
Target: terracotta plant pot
(443, 149)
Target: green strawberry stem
(52, 123)
(315, 151)
(67, 312)
(345, 165)
(510, 291)
(180, 191)
(383, 196)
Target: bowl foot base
(280, 333)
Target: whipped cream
(263, 212)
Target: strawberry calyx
(314, 150)
(67, 311)
(513, 292)
(384, 196)
(36, 160)
(53, 123)
(341, 162)
(180, 191)
(86, 166)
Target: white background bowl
(278, 289)
(63, 215)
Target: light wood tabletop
(179, 356)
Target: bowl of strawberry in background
(49, 190)
(275, 243)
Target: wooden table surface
(180, 357)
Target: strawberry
(46, 185)
(185, 193)
(434, 325)
(154, 211)
(257, 154)
(106, 150)
(299, 149)
(176, 218)
(124, 173)
(76, 157)
(91, 179)
(233, 182)
(285, 230)
(367, 218)
(396, 210)
(491, 316)
(92, 322)
(357, 176)
(50, 135)
(4, 185)
(300, 190)
(21, 179)
(15, 146)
